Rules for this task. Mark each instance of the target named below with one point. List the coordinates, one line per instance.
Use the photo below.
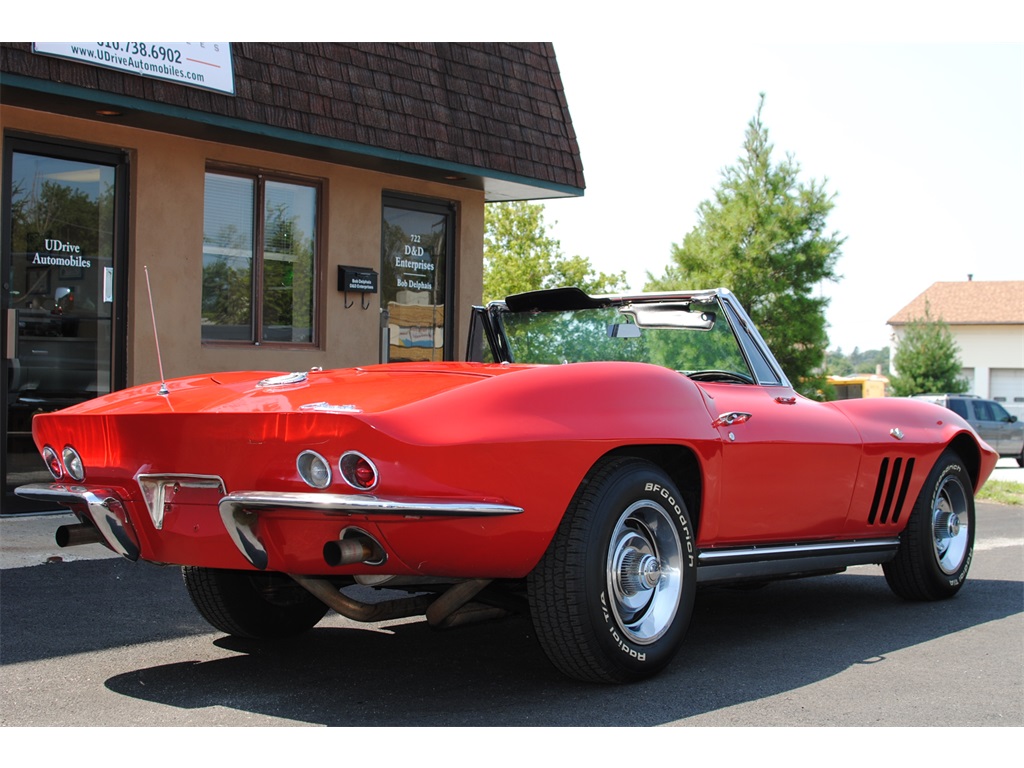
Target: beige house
(986, 318)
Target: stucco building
(290, 205)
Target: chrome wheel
(950, 525)
(937, 544)
(643, 572)
(612, 597)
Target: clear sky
(922, 143)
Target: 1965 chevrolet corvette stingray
(595, 460)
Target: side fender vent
(891, 476)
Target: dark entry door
(63, 318)
(417, 275)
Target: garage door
(1007, 387)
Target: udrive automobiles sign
(199, 65)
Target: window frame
(260, 177)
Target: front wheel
(612, 597)
(937, 545)
(252, 604)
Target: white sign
(200, 65)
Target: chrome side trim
(99, 504)
(775, 561)
(239, 512)
(344, 504)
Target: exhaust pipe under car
(78, 534)
(354, 546)
(451, 608)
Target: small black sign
(358, 279)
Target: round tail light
(73, 464)
(358, 471)
(53, 462)
(314, 469)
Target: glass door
(62, 265)
(416, 280)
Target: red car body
(452, 473)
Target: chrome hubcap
(950, 525)
(637, 571)
(643, 572)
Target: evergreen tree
(763, 236)
(927, 359)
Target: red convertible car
(594, 461)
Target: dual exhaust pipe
(451, 608)
(353, 547)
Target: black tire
(937, 546)
(612, 597)
(1020, 459)
(252, 604)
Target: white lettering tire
(937, 545)
(612, 597)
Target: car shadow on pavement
(77, 606)
(742, 646)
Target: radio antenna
(152, 313)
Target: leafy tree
(868, 361)
(763, 236)
(927, 359)
(520, 256)
(227, 280)
(59, 211)
(287, 274)
(838, 364)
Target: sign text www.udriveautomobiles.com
(202, 65)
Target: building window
(259, 259)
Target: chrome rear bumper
(239, 512)
(100, 506)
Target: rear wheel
(937, 545)
(252, 604)
(612, 597)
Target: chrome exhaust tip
(354, 546)
(78, 534)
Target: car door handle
(781, 400)
(731, 419)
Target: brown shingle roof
(974, 302)
(495, 107)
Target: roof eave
(75, 101)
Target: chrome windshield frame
(751, 344)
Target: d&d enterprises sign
(199, 65)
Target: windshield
(690, 336)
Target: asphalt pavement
(87, 638)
